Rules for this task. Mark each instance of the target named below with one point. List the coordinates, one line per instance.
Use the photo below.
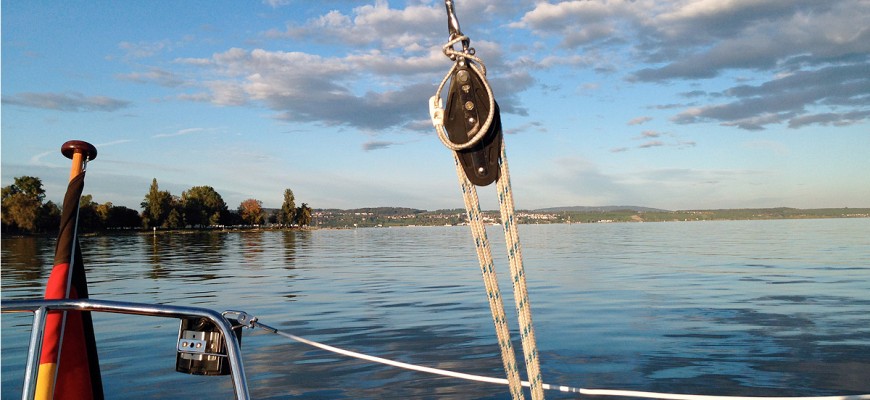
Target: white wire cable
(546, 386)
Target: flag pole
(85, 371)
(80, 152)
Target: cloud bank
(814, 55)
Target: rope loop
(436, 109)
(466, 52)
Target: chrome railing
(40, 309)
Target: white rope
(487, 268)
(518, 275)
(478, 230)
(545, 386)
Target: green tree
(20, 212)
(303, 215)
(251, 211)
(287, 215)
(49, 217)
(174, 220)
(122, 217)
(103, 210)
(89, 218)
(156, 206)
(30, 186)
(22, 204)
(112, 216)
(203, 206)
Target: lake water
(764, 308)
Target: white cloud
(640, 120)
(71, 102)
(154, 75)
(37, 160)
(790, 97)
(143, 49)
(113, 143)
(806, 51)
(372, 24)
(651, 143)
(372, 89)
(579, 181)
(377, 145)
(276, 3)
(181, 132)
(802, 45)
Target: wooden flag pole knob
(70, 148)
(78, 151)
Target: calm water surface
(766, 308)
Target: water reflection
(289, 240)
(252, 247)
(767, 310)
(157, 270)
(27, 261)
(202, 248)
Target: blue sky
(671, 104)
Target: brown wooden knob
(79, 146)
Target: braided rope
(487, 268)
(518, 276)
(478, 231)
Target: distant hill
(376, 210)
(598, 209)
(409, 211)
(403, 216)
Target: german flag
(68, 366)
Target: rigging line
(487, 268)
(472, 205)
(478, 230)
(521, 294)
(546, 386)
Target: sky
(683, 104)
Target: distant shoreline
(388, 216)
(384, 217)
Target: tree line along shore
(25, 211)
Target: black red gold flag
(68, 367)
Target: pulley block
(468, 107)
